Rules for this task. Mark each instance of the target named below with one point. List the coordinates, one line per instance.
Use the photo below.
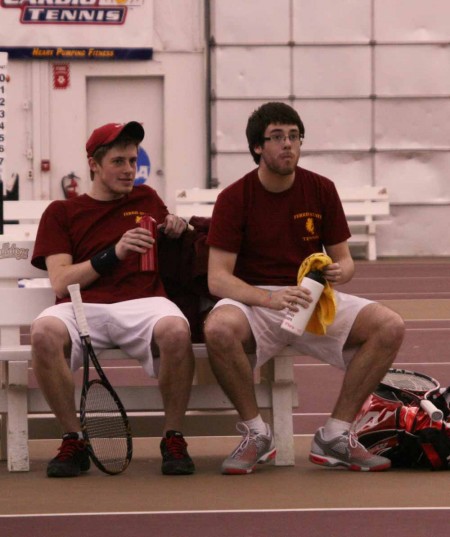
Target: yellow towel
(325, 310)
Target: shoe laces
(69, 448)
(356, 448)
(246, 433)
(353, 440)
(176, 446)
(249, 437)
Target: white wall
(45, 123)
(370, 78)
(371, 81)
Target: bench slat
(365, 208)
(24, 209)
(363, 193)
(20, 306)
(197, 195)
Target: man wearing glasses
(263, 226)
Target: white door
(123, 99)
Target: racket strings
(406, 381)
(106, 428)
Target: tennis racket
(104, 422)
(414, 387)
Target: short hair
(123, 140)
(262, 117)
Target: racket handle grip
(77, 304)
(434, 412)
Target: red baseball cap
(108, 133)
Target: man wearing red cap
(95, 240)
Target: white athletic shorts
(270, 338)
(128, 325)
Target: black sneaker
(72, 458)
(176, 460)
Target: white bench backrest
(364, 193)
(15, 261)
(18, 305)
(357, 202)
(364, 207)
(359, 209)
(19, 232)
(27, 213)
(365, 201)
(196, 202)
(197, 195)
(24, 210)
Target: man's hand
(173, 226)
(288, 297)
(333, 273)
(137, 240)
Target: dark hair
(262, 117)
(123, 140)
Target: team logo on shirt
(310, 220)
(309, 225)
(137, 215)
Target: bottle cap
(316, 275)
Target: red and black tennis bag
(404, 433)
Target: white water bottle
(296, 321)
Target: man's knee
(226, 324)
(173, 335)
(215, 328)
(391, 329)
(49, 337)
(378, 323)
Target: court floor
(299, 501)
(304, 499)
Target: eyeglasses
(294, 138)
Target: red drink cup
(149, 260)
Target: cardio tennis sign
(68, 11)
(123, 29)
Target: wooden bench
(276, 390)
(365, 207)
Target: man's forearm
(230, 286)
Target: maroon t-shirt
(83, 227)
(272, 233)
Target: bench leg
(372, 249)
(3, 436)
(282, 424)
(282, 403)
(3, 416)
(17, 434)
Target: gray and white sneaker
(253, 449)
(345, 450)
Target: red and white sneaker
(345, 450)
(253, 449)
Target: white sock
(334, 427)
(257, 425)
